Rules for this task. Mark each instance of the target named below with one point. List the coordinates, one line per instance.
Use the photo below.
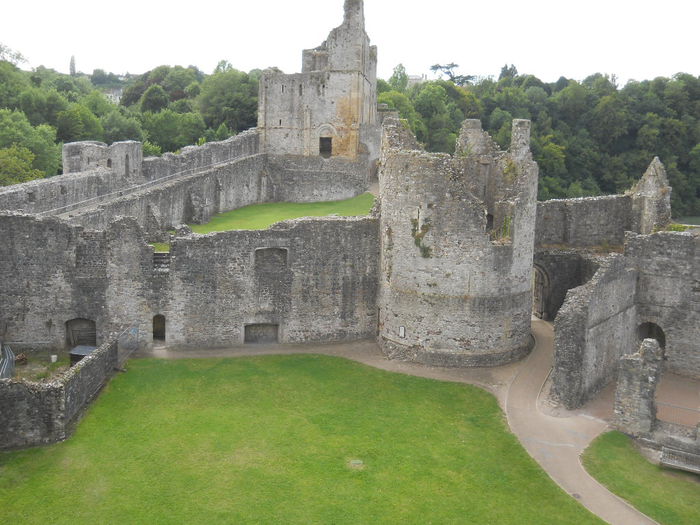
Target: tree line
(589, 137)
(166, 109)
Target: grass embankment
(668, 496)
(287, 439)
(262, 216)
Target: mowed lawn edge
(668, 496)
(283, 439)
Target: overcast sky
(548, 38)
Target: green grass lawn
(284, 439)
(668, 496)
(261, 216)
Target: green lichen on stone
(418, 234)
(511, 171)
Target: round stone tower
(457, 248)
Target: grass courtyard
(284, 439)
(262, 216)
(668, 496)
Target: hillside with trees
(590, 137)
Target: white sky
(548, 38)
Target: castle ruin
(447, 269)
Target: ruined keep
(447, 268)
(330, 108)
(457, 248)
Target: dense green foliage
(285, 439)
(589, 137)
(670, 497)
(168, 108)
(16, 166)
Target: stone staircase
(161, 262)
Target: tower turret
(457, 248)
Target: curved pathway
(556, 443)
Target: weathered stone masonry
(457, 248)
(40, 413)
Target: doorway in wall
(325, 147)
(81, 332)
(159, 328)
(651, 331)
(261, 333)
(540, 291)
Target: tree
(72, 66)
(448, 70)
(10, 55)
(119, 127)
(154, 99)
(16, 166)
(12, 84)
(229, 96)
(399, 80)
(172, 131)
(40, 140)
(78, 123)
(96, 102)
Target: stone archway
(649, 330)
(540, 291)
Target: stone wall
(635, 407)
(40, 413)
(205, 157)
(332, 100)
(457, 247)
(315, 279)
(209, 289)
(186, 198)
(594, 328)
(563, 269)
(52, 272)
(314, 179)
(592, 221)
(669, 293)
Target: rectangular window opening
(261, 333)
(325, 147)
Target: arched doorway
(81, 332)
(159, 328)
(651, 330)
(540, 292)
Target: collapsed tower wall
(457, 248)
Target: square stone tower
(328, 110)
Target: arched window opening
(159, 328)
(651, 331)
